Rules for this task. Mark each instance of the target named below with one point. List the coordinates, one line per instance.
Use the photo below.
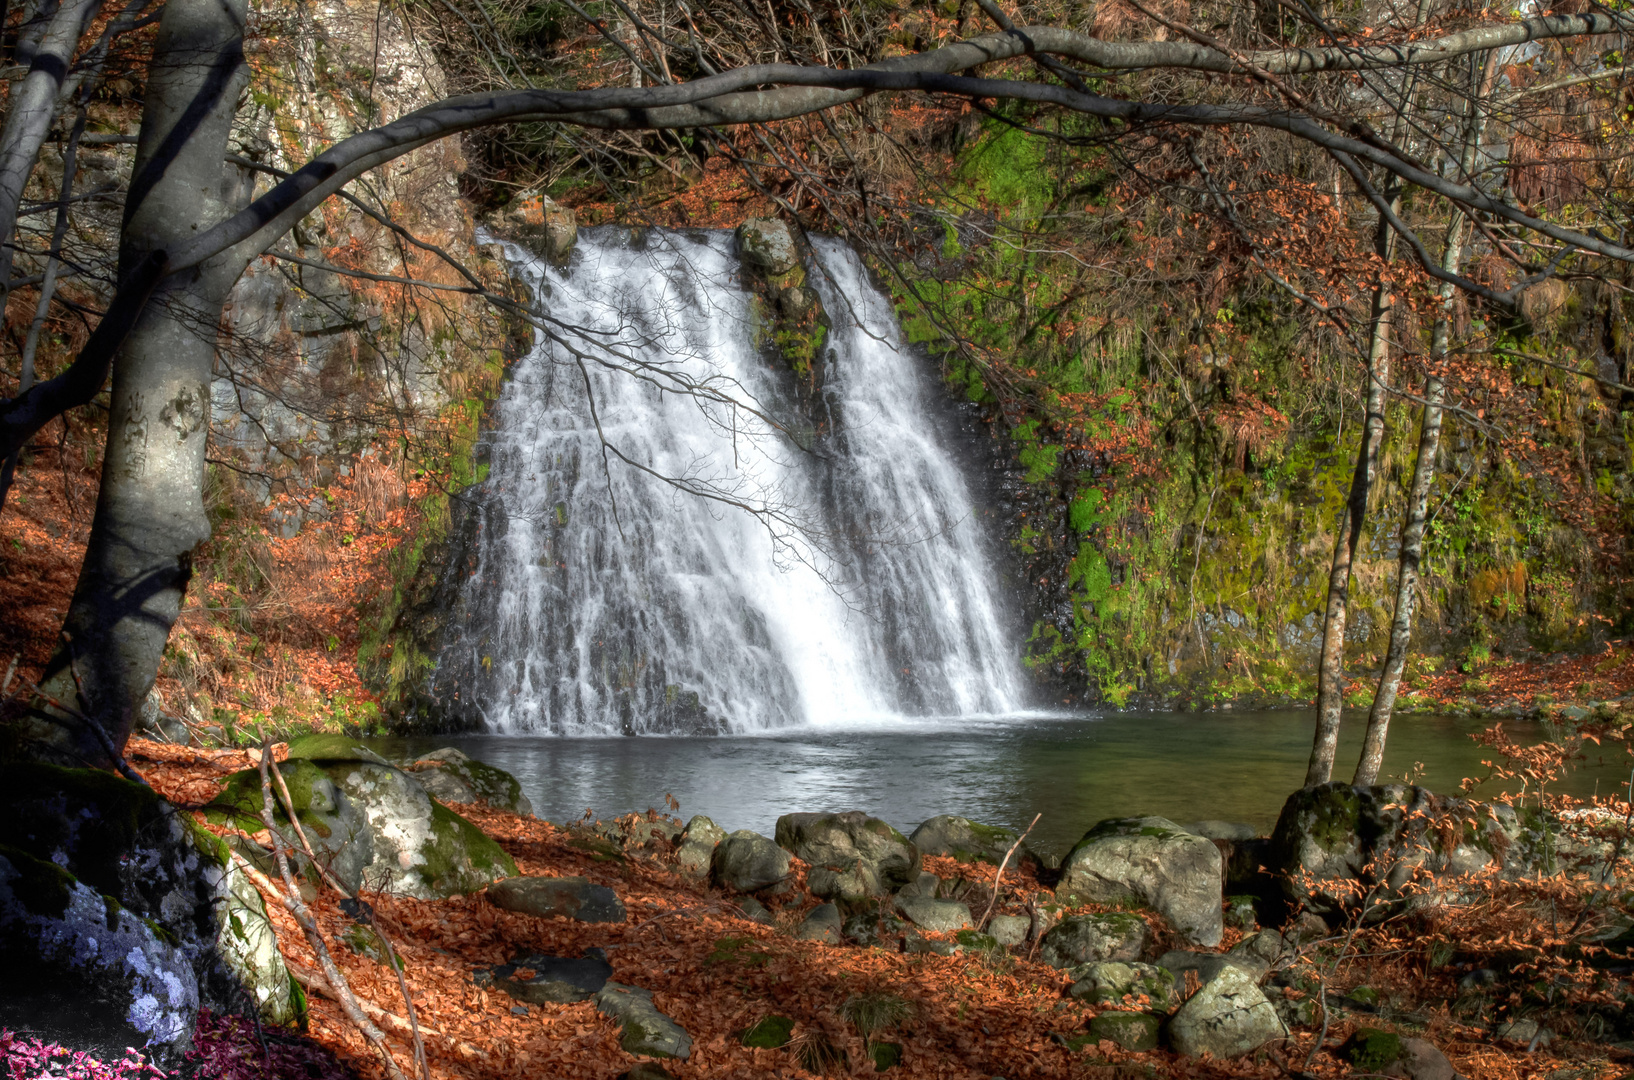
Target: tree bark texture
(150, 512)
(1330, 682)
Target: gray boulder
(570, 897)
(1396, 844)
(1154, 861)
(969, 841)
(1010, 929)
(336, 827)
(64, 940)
(1228, 1017)
(767, 245)
(450, 776)
(747, 862)
(646, 1031)
(1132, 1031)
(697, 846)
(249, 947)
(160, 894)
(935, 915)
(852, 856)
(418, 847)
(538, 979)
(822, 924)
(1208, 964)
(1084, 939)
(1138, 986)
(924, 883)
(1232, 831)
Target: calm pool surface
(1074, 771)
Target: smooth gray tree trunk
(150, 513)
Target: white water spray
(709, 573)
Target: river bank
(749, 977)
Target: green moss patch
(769, 1033)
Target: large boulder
(336, 827)
(386, 834)
(1130, 986)
(697, 846)
(1228, 1017)
(249, 946)
(449, 776)
(969, 841)
(852, 856)
(65, 942)
(115, 912)
(1336, 845)
(570, 897)
(1085, 939)
(1156, 862)
(747, 862)
(646, 1032)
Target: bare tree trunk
(150, 512)
(1330, 687)
(32, 107)
(1429, 444)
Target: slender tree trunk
(1429, 444)
(150, 511)
(1330, 686)
(32, 107)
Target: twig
(992, 903)
(10, 671)
(291, 898)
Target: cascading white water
(710, 571)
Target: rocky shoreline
(1203, 941)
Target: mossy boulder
(1227, 1018)
(646, 1032)
(970, 842)
(1085, 939)
(852, 856)
(1131, 985)
(789, 312)
(1155, 862)
(747, 862)
(374, 825)
(1132, 1031)
(322, 747)
(769, 1033)
(128, 981)
(335, 825)
(1336, 845)
(450, 776)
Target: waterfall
(742, 558)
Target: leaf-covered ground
(717, 973)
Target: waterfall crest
(711, 572)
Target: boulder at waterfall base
(449, 776)
(747, 862)
(1155, 862)
(852, 856)
(969, 841)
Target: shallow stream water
(1073, 771)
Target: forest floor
(975, 1015)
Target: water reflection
(1073, 770)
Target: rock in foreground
(1154, 861)
(450, 776)
(569, 897)
(646, 1031)
(1228, 1017)
(852, 856)
(747, 862)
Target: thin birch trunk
(1330, 693)
(1418, 499)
